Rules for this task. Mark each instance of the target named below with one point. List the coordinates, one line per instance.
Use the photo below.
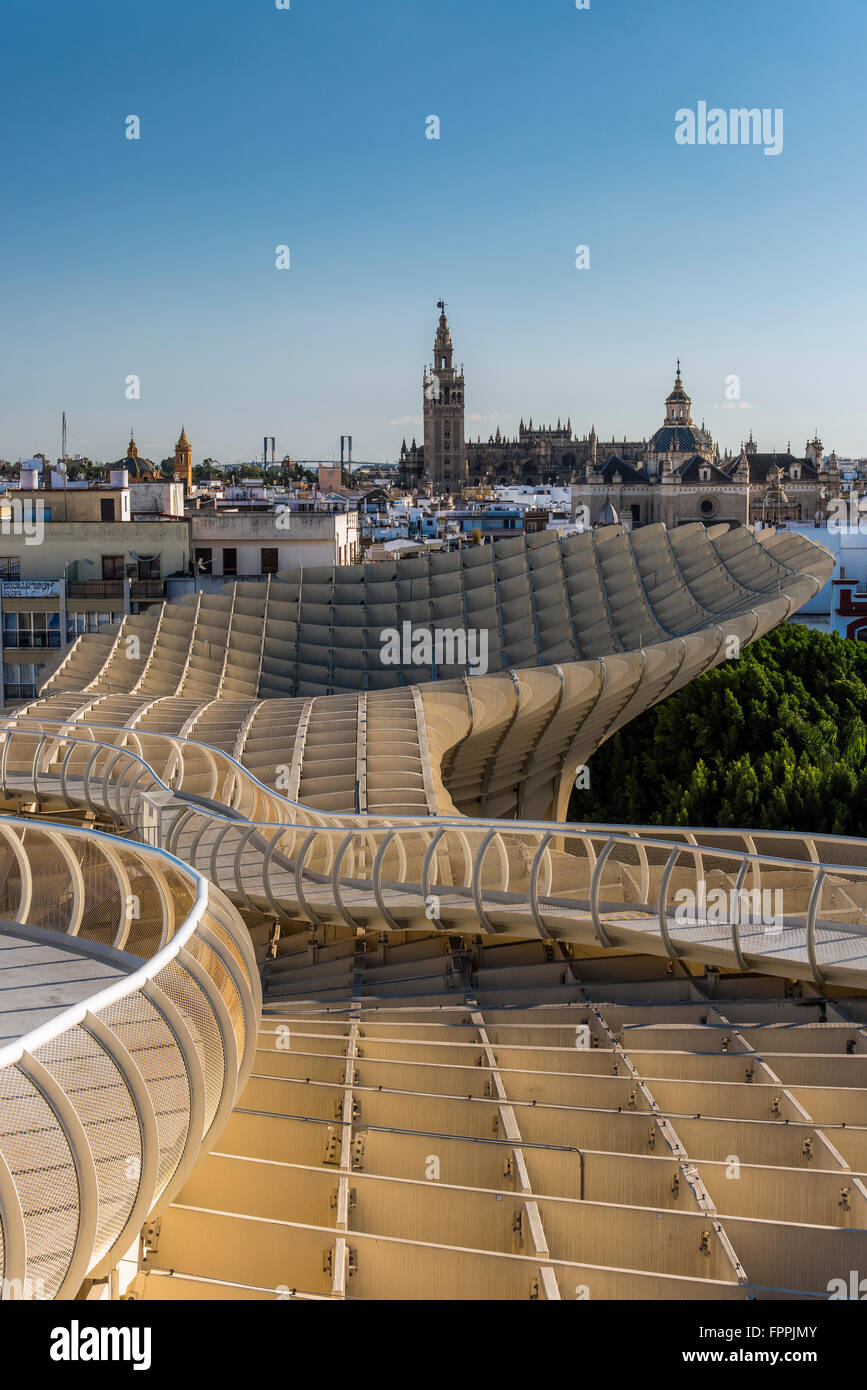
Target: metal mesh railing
(785, 903)
(106, 1103)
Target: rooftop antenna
(63, 440)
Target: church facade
(675, 476)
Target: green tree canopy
(775, 740)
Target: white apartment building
(229, 544)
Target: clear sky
(306, 127)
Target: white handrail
(128, 984)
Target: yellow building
(184, 461)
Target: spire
(183, 442)
(132, 450)
(678, 403)
(442, 342)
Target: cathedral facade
(677, 475)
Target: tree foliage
(774, 740)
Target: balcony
(140, 589)
(94, 588)
(147, 588)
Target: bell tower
(184, 461)
(445, 462)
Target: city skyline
(509, 427)
(557, 129)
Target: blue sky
(306, 127)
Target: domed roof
(678, 439)
(608, 515)
(143, 470)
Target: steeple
(678, 403)
(184, 461)
(443, 342)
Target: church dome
(139, 469)
(679, 435)
(678, 439)
(678, 394)
(608, 514)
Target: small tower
(184, 461)
(814, 451)
(678, 403)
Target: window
(106, 509)
(20, 681)
(112, 567)
(31, 629)
(10, 567)
(230, 561)
(77, 623)
(269, 559)
(149, 567)
(31, 513)
(204, 560)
